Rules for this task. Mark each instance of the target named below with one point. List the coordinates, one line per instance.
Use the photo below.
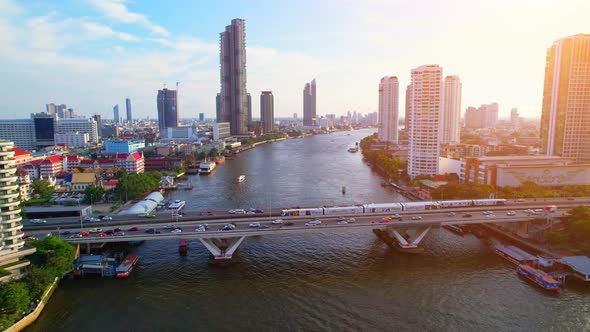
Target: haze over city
(93, 54)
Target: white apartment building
(388, 109)
(451, 116)
(72, 140)
(79, 125)
(21, 132)
(426, 104)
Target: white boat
(177, 205)
(207, 167)
(353, 149)
(240, 178)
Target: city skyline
(128, 38)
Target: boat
(207, 167)
(539, 277)
(240, 178)
(220, 160)
(126, 266)
(455, 229)
(353, 149)
(515, 255)
(176, 205)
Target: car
(340, 219)
(264, 227)
(227, 228)
(277, 221)
(538, 210)
(315, 221)
(528, 211)
(490, 215)
(118, 229)
(341, 222)
(101, 235)
(388, 218)
(416, 217)
(133, 229)
(88, 218)
(101, 216)
(153, 231)
(467, 215)
(511, 213)
(106, 218)
(258, 211)
(254, 224)
(95, 230)
(85, 233)
(520, 200)
(396, 216)
(38, 221)
(352, 220)
(75, 236)
(231, 211)
(485, 213)
(209, 213)
(310, 224)
(109, 232)
(65, 233)
(119, 233)
(177, 215)
(250, 212)
(200, 229)
(451, 214)
(384, 221)
(170, 226)
(176, 230)
(150, 215)
(240, 211)
(289, 223)
(205, 226)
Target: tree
(42, 188)
(14, 297)
(201, 155)
(93, 194)
(213, 152)
(120, 173)
(38, 279)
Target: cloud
(103, 31)
(117, 10)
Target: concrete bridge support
(523, 229)
(408, 239)
(222, 248)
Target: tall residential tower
(167, 109)
(566, 99)
(388, 109)
(128, 108)
(426, 105)
(233, 98)
(309, 104)
(451, 119)
(267, 111)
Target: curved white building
(11, 235)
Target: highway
(188, 224)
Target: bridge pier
(406, 240)
(222, 248)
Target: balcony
(8, 179)
(9, 236)
(4, 196)
(17, 227)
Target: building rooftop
(580, 264)
(83, 178)
(527, 157)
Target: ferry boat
(539, 277)
(353, 149)
(176, 205)
(126, 266)
(220, 160)
(240, 178)
(515, 255)
(455, 229)
(207, 167)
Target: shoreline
(32, 316)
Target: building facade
(426, 104)
(21, 132)
(72, 140)
(388, 109)
(451, 119)
(123, 146)
(128, 109)
(81, 125)
(221, 130)
(12, 245)
(116, 115)
(167, 101)
(233, 98)
(267, 111)
(309, 103)
(566, 99)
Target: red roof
(20, 152)
(74, 157)
(86, 162)
(112, 182)
(136, 155)
(51, 160)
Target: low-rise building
(124, 146)
(80, 181)
(72, 140)
(50, 166)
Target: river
(347, 281)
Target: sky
(92, 54)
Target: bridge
(222, 244)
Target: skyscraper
(201, 117)
(426, 104)
(116, 117)
(451, 119)
(128, 108)
(167, 109)
(566, 99)
(234, 96)
(309, 103)
(388, 109)
(267, 111)
(514, 117)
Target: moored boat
(539, 277)
(240, 178)
(126, 266)
(455, 229)
(207, 167)
(515, 255)
(176, 205)
(220, 160)
(353, 149)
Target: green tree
(38, 279)
(93, 194)
(14, 297)
(42, 188)
(213, 152)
